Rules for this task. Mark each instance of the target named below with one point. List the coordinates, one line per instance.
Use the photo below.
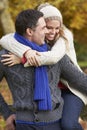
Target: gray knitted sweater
(21, 82)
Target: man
(30, 110)
(37, 100)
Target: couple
(29, 99)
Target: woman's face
(53, 27)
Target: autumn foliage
(75, 18)
(74, 15)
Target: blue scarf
(41, 90)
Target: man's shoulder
(3, 51)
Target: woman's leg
(71, 111)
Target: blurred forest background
(75, 18)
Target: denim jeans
(71, 111)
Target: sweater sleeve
(71, 51)
(4, 108)
(8, 42)
(54, 55)
(75, 78)
(5, 111)
(50, 57)
(72, 55)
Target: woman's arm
(44, 58)
(8, 42)
(55, 54)
(71, 51)
(52, 56)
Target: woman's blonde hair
(50, 13)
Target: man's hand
(10, 122)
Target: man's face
(38, 34)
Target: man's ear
(29, 31)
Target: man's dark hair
(27, 19)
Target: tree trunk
(6, 21)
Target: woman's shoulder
(68, 32)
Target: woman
(61, 41)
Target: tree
(6, 21)
(74, 15)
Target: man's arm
(5, 111)
(4, 108)
(75, 78)
(8, 115)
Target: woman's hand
(32, 57)
(10, 59)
